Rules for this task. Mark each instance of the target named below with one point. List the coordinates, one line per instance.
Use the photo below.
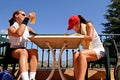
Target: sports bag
(5, 75)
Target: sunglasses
(22, 14)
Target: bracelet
(25, 21)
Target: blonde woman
(18, 32)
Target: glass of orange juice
(32, 17)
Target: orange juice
(32, 20)
(32, 17)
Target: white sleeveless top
(17, 42)
(96, 42)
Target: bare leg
(75, 63)
(33, 56)
(22, 55)
(80, 65)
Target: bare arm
(90, 32)
(12, 31)
(30, 29)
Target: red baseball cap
(72, 21)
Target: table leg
(60, 55)
(56, 62)
(54, 59)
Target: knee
(82, 54)
(24, 52)
(34, 53)
(76, 55)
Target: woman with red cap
(92, 46)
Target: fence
(45, 56)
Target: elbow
(88, 38)
(19, 34)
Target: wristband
(25, 21)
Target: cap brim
(69, 27)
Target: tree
(112, 26)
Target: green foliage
(112, 26)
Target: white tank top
(17, 42)
(96, 42)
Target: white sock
(24, 76)
(32, 75)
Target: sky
(52, 15)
